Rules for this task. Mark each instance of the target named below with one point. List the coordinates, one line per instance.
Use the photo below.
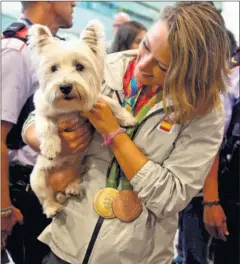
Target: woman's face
(154, 56)
(138, 39)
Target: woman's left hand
(102, 118)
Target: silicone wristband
(108, 139)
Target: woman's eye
(161, 67)
(79, 67)
(54, 68)
(145, 45)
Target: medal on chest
(102, 201)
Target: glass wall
(144, 12)
(85, 11)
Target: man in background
(18, 203)
(119, 19)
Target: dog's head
(70, 73)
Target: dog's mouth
(68, 98)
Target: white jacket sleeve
(29, 121)
(167, 189)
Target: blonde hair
(199, 49)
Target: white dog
(70, 76)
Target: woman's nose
(145, 63)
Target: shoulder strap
(14, 138)
(16, 30)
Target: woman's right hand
(74, 138)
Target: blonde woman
(172, 86)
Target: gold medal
(102, 202)
(127, 206)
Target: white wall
(230, 13)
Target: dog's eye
(54, 68)
(79, 67)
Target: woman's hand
(74, 138)
(102, 118)
(215, 222)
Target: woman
(129, 36)
(179, 69)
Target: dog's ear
(94, 37)
(38, 37)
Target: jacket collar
(115, 68)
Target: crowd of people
(180, 79)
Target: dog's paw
(61, 197)
(74, 189)
(51, 209)
(51, 148)
(126, 119)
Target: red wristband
(108, 139)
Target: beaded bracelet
(6, 211)
(213, 203)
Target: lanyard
(114, 172)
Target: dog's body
(70, 77)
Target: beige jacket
(179, 163)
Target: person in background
(129, 36)
(119, 19)
(172, 85)
(18, 203)
(233, 43)
(193, 238)
(222, 218)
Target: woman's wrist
(108, 139)
(211, 203)
(111, 130)
(211, 196)
(6, 211)
(5, 200)
(210, 191)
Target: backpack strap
(16, 30)
(14, 138)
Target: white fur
(52, 106)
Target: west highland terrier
(70, 76)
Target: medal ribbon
(139, 105)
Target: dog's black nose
(66, 88)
